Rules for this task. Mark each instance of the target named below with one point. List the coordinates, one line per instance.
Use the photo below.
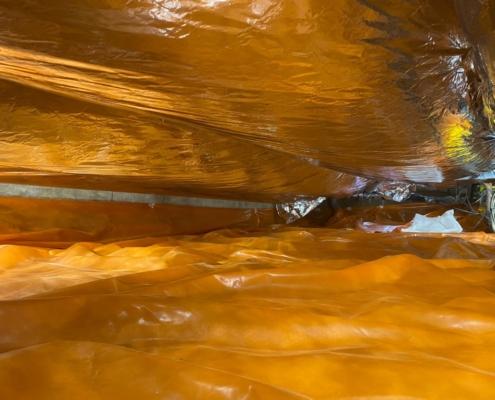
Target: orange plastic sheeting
(57, 146)
(60, 223)
(401, 214)
(293, 314)
(259, 98)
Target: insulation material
(251, 98)
(291, 314)
(298, 209)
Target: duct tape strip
(60, 193)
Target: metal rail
(60, 193)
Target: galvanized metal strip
(58, 193)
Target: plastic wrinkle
(294, 313)
(244, 99)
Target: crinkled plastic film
(289, 314)
(225, 98)
(247, 99)
(60, 223)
